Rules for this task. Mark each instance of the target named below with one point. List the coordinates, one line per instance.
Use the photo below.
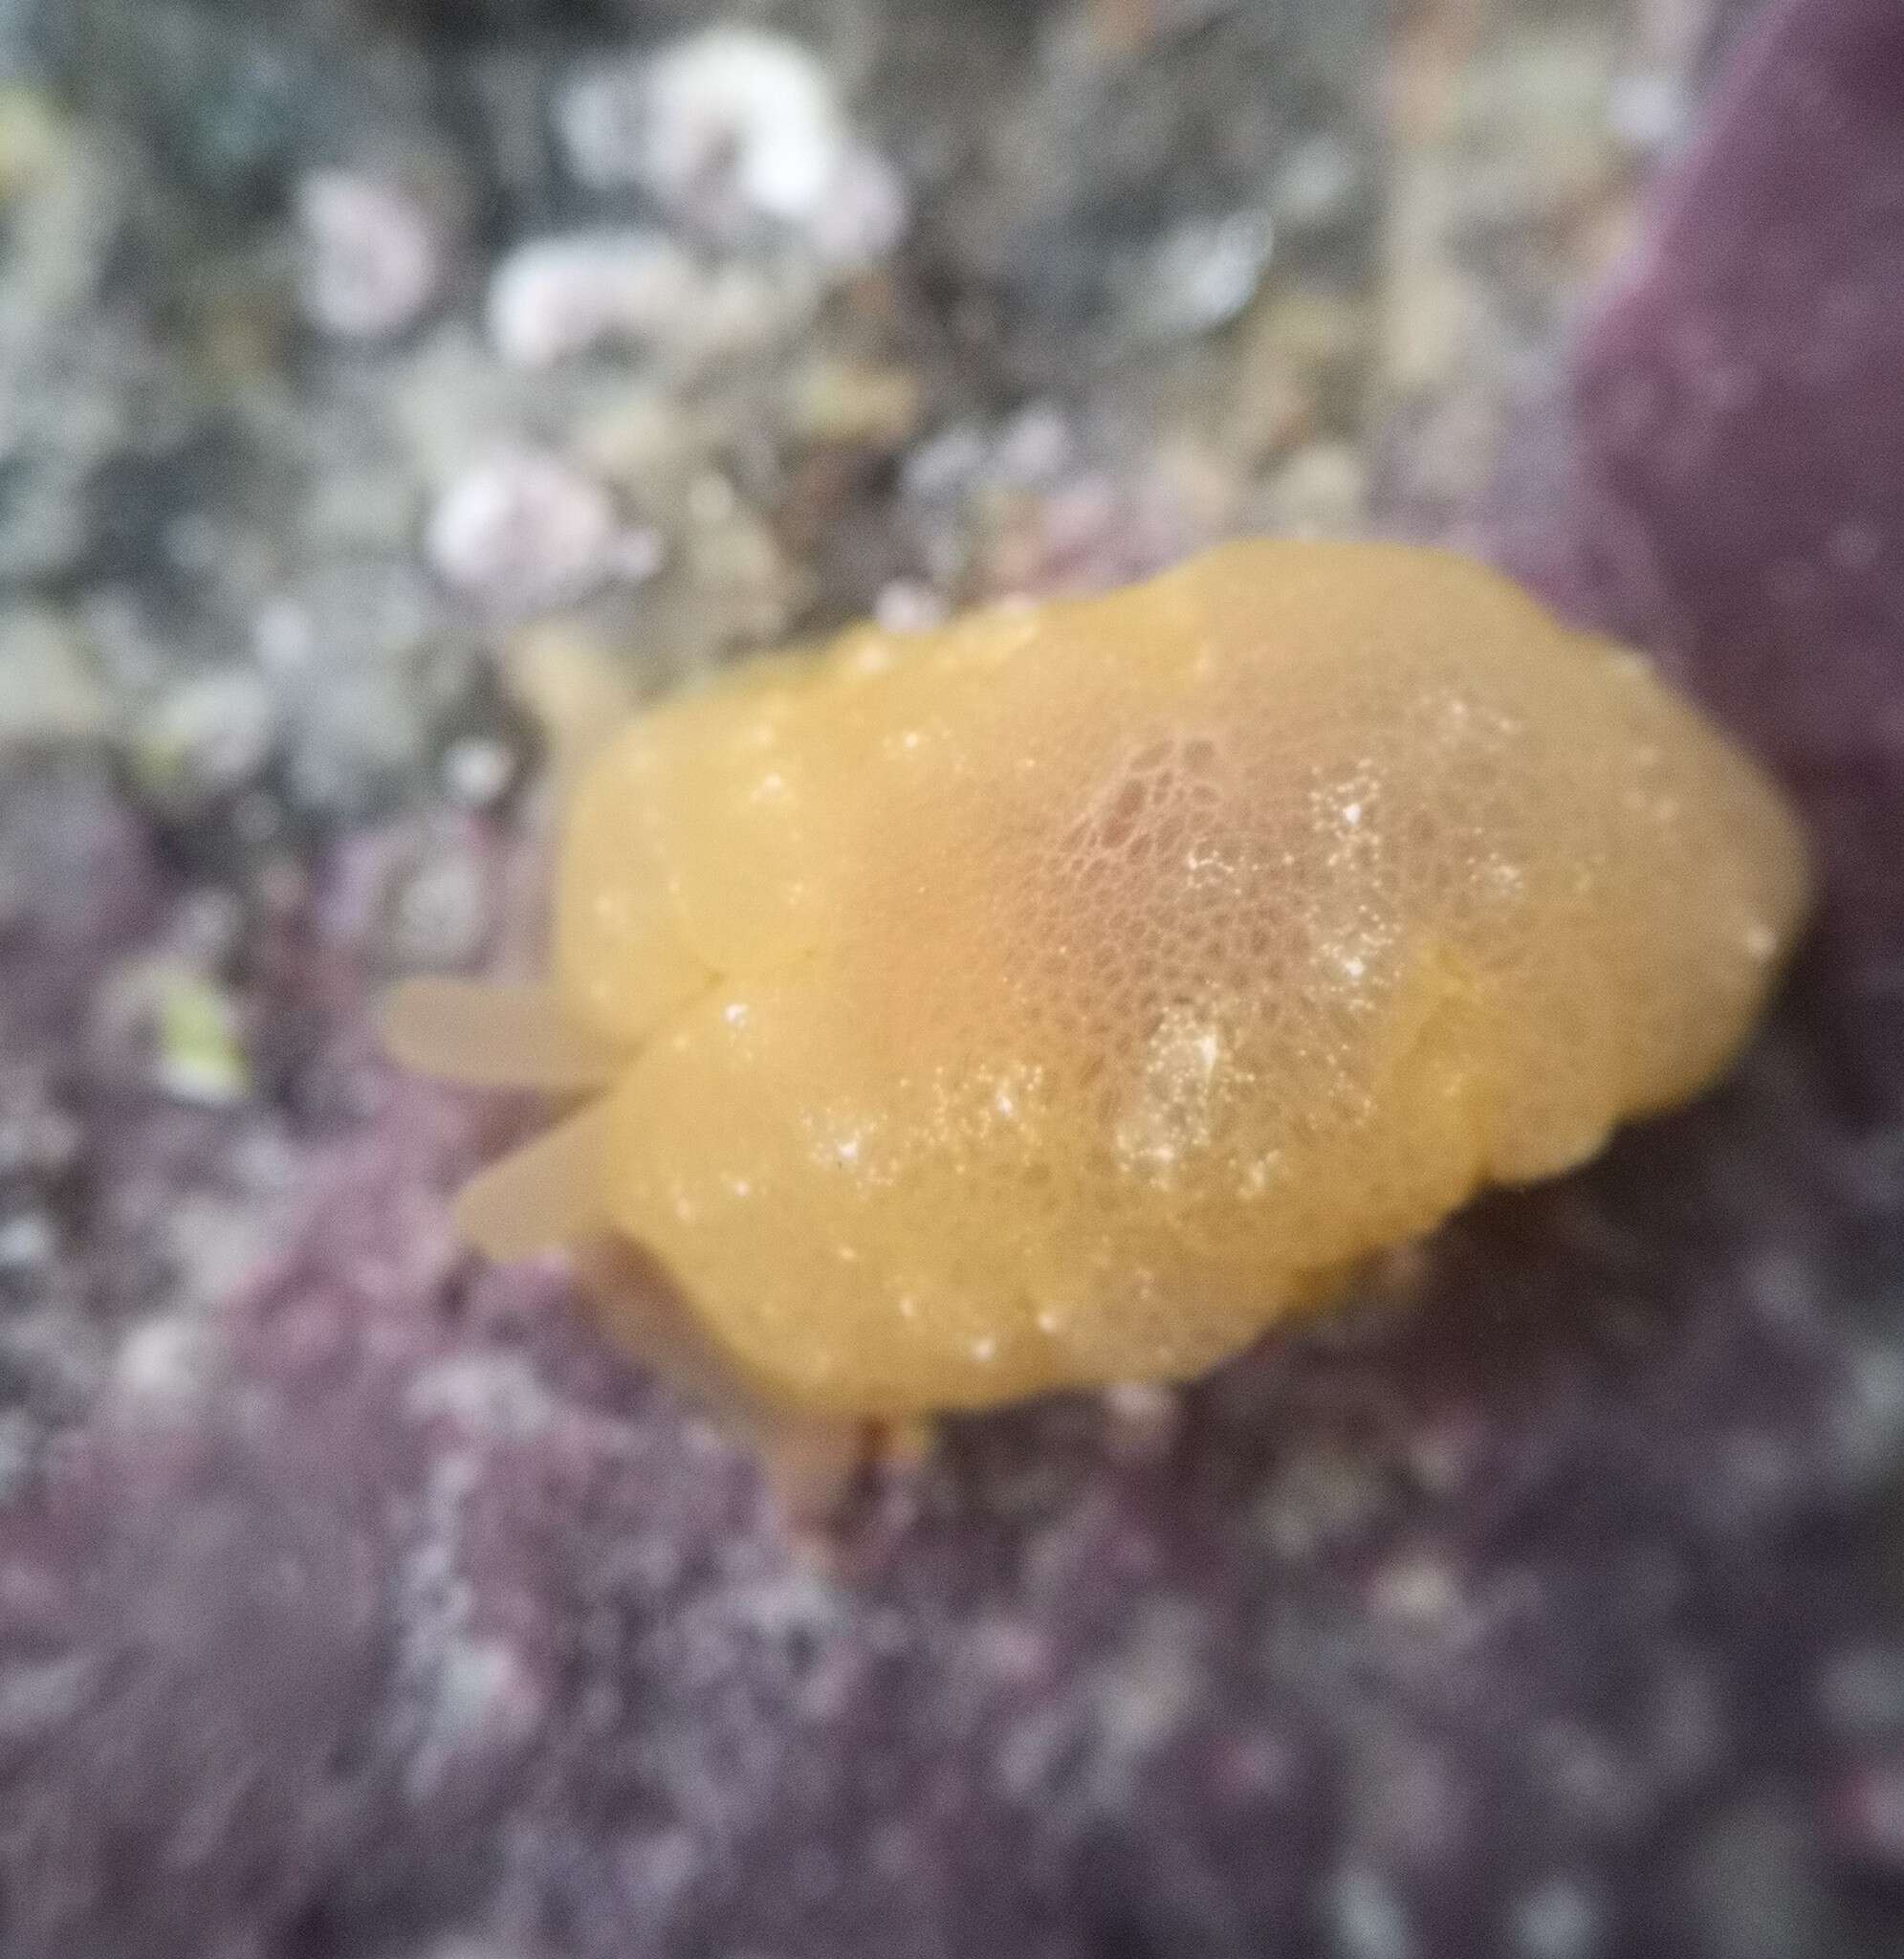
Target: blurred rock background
(365, 369)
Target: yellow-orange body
(1064, 995)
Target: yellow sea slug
(1065, 995)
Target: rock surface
(355, 1601)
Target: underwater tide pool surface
(358, 1599)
